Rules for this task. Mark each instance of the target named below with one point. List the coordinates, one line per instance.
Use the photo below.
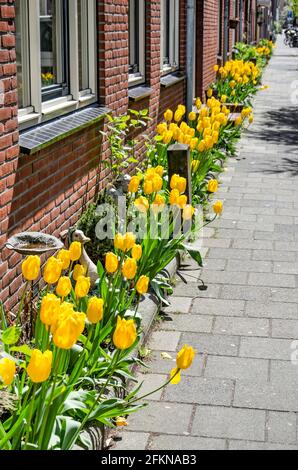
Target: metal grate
(46, 134)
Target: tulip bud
(31, 268)
(129, 268)
(142, 204)
(168, 115)
(69, 326)
(217, 207)
(111, 263)
(142, 285)
(134, 184)
(7, 371)
(63, 287)
(159, 170)
(75, 250)
(52, 270)
(212, 186)
(95, 310)
(82, 286)
(78, 270)
(39, 367)
(125, 333)
(119, 242)
(136, 252)
(49, 309)
(64, 256)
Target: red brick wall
(48, 191)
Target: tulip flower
(192, 116)
(111, 263)
(175, 375)
(168, 115)
(119, 242)
(185, 357)
(129, 240)
(95, 310)
(136, 252)
(120, 421)
(69, 326)
(142, 285)
(212, 186)
(64, 256)
(78, 270)
(188, 212)
(75, 251)
(129, 268)
(31, 268)
(39, 367)
(159, 170)
(82, 286)
(49, 309)
(217, 207)
(142, 204)
(134, 184)
(7, 371)
(52, 270)
(125, 333)
(63, 287)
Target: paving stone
(272, 255)
(253, 244)
(281, 427)
(284, 295)
(195, 323)
(271, 310)
(285, 328)
(279, 397)
(248, 445)
(286, 246)
(241, 326)
(162, 417)
(249, 266)
(275, 219)
(234, 233)
(223, 345)
(218, 307)
(217, 242)
(214, 264)
(237, 368)
(255, 226)
(262, 294)
(231, 423)
(282, 372)
(223, 277)
(179, 304)
(167, 339)
(168, 442)
(201, 390)
(285, 268)
(192, 290)
(229, 253)
(273, 280)
(132, 441)
(266, 348)
(151, 382)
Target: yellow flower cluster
(265, 51)
(239, 72)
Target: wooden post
(179, 163)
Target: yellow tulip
(7, 371)
(121, 421)
(125, 333)
(238, 121)
(129, 240)
(134, 184)
(217, 207)
(168, 115)
(251, 119)
(75, 251)
(215, 68)
(195, 165)
(148, 187)
(142, 204)
(52, 270)
(167, 137)
(157, 183)
(39, 367)
(159, 170)
(136, 252)
(82, 286)
(185, 357)
(129, 268)
(78, 270)
(63, 288)
(111, 263)
(119, 242)
(209, 92)
(181, 201)
(174, 195)
(188, 212)
(178, 115)
(193, 143)
(49, 309)
(178, 182)
(192, 116)
(69, 326)
(64, 256)
(212, 186)
(95, 310)
(175, 375)
(142, 285)
(202, 146)
(223, 98)
(162, 128)
(31, 268)
(198, 103)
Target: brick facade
(49, 190)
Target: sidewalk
(242, 390)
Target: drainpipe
(241, 20)
(226, 30)
(190, 27)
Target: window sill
(139, 93)
(134, 80)
(47, 134)
(172, 79)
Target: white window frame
(173, 37)
(39, 111)
(138, 77)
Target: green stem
(156, 390)
(22, 303)
(30, 415)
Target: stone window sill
(172, 79)
(139, 93)
(44, 135)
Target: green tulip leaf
(11, 335)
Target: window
(136, 26)
(56, 57)
(169, 40)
